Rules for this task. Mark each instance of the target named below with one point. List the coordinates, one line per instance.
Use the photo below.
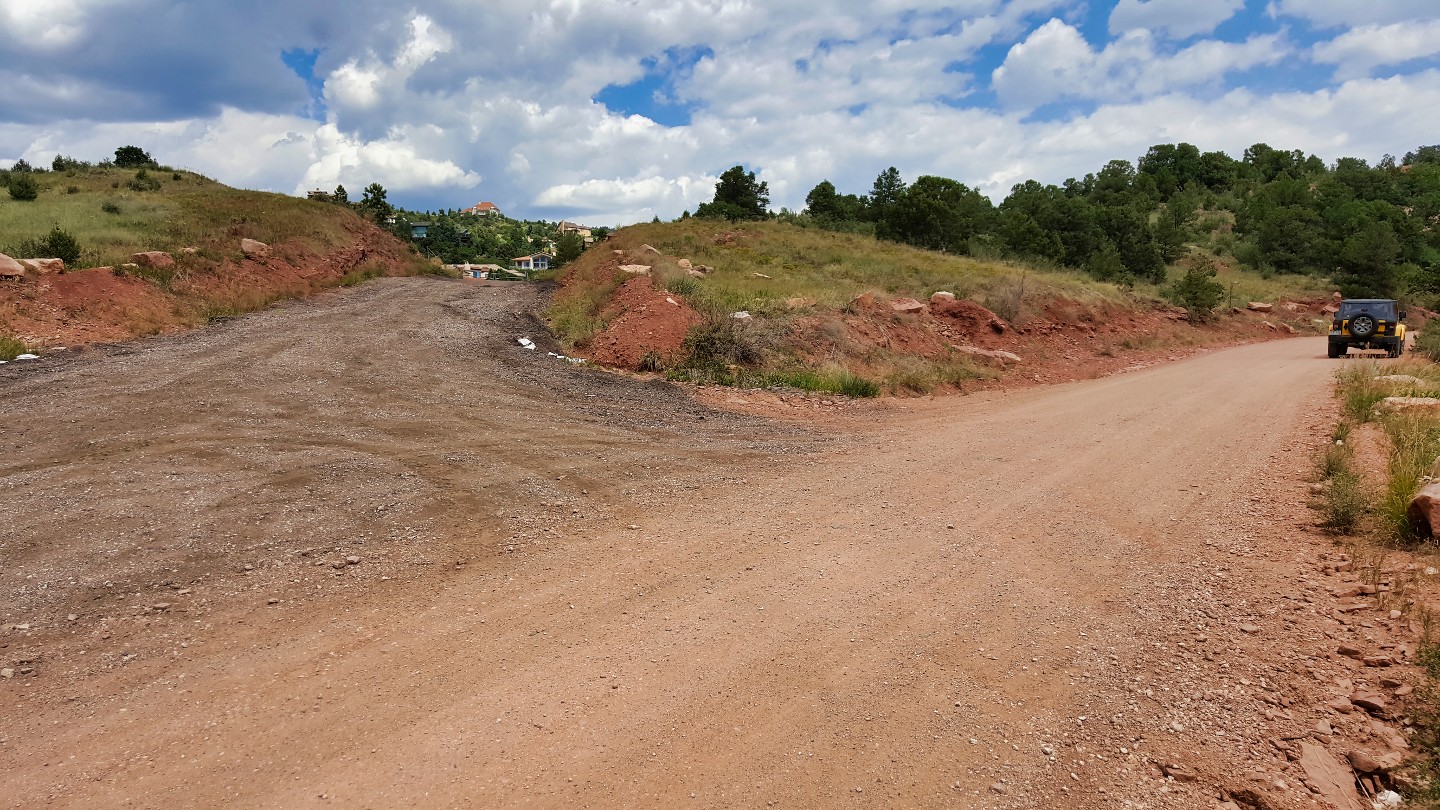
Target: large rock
(11, 269)
(43, 266)
(907, 305)
(1399, 379)
(942, 296)
(1328, 777)
(153, 258)
(998, 356)
(1424, 510)
(1409, 404)
(684, 264)
(1259, 306)
(254, 249)
(636, 269)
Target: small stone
(272, 601)
(161, 606)
(352, 560)
(997, 788)
(632, 527)
(1349, 651)
(338, 564)
(1249, 628)
(72, 617)
(7, 672)
(1324, 728)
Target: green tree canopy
(133, 157)
(738, 196)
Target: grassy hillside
(813, 325)
(113, 213)
(111, 219)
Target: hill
(773, 303)
(105, 214)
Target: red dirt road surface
(366, 551)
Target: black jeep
(1368, 323)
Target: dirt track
(578, 590)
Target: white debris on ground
(27, 357)
(576, 360)
(526, 342)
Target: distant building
(484, 209)
(581, 230)
(319, 195)
(531, 263)
(418, 230)
(483, 271)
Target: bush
(110, 207)
(143, 182)
(10, 348)
(132, 157)
(1427, 343)
(718, 342)
(24, 187)
(58, 244)
(1198, 292)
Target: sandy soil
(365, 551)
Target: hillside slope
(114, 213)
(848, 313)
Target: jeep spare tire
(1362, 326)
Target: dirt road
(565, 588)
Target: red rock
(254, 249)
(44, 266)
(1258, 306)
(1329, 777)
(153, 258)
(1372, 702)
(907, 305)
(9, 268)
(1424, 510)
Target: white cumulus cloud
(1177, 18)
(1359, 51)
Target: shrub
(133, 157)
(1198, 291)
(143, 182)
(24, 187)
(10, 348)
(1427, 343)
(718, 342)
(58, 244)
(1360, 392)
(110, 207)
(1345, 503)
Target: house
(479, 271)
(581, 230)
(418, 230)
(319, 195)
(483, 209)
(531, 263)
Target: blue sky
(612, 111)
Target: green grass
(1414, 447)
(112, 221)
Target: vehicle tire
(1362, 326)
(1336, 350)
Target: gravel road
(365, 551)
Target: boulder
(1259, 306)
(999, 356)
(254, 249)
(11, 269)
(942, 296)
(636, 269)
(693, 273)
(1289, 330)
(1399, 379)
(153, 258)
(1409, 404)
(1424, 510)
(684, 264)
(1328, 777)
(907, 305)
(1366, 762)
(43, 266)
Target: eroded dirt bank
(365, 551)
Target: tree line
(1372, 229)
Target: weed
(718, 341)
(1414, 446)
(110, 207)
(1359, 391)
(683, 286)
(10, 348)
(1345, 503)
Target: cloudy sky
(612, 111)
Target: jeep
(1368, 323)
